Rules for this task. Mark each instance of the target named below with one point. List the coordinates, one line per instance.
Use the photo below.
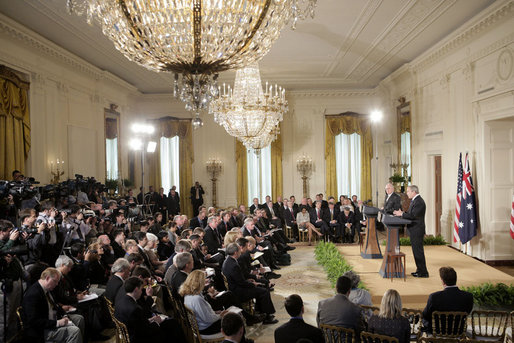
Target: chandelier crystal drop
(247, 112)
(196, 39)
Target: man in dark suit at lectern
(416, 214)
(392, 201)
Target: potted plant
(397, 179)
(111, 185)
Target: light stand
(214, 168)
(141, 141)
(376, 117)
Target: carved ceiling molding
(333, 93)
(402, 41)
(465, 64)
(37, 42)
(460, 39)
(407, 22)
(365, 16)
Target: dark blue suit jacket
(295, 329)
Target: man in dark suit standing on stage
(451, 299)
(296, 328)
(392, 200)
(416, 214)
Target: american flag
(468, 211)
(457, 204)
(512, 219)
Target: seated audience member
(173, 231)
(225, 225)
(296, 328)
(118, 245)
(339, 310)
(79, 272)
(231, 237)
(209, 322)
(184, 263)
(304, 223)
(64, 293)
(245, 290)
(182, 246)
(289, 215)
(358, 295)
(212, 236)
(131, 247)
(451, 298)
(347, 220)
(97, 273)
(232, 327)
(198, 221)
(120, 271)
(164, 247)
(43, 319)
(331, 217)
(130, 313)
(390, 321)
(150, 250)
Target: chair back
(196, 337)
(489, 324)
(337, 334)
(368, 337)
(439, 340)
(415, 318)
(122, 335)
(449, 324)
(370, 309)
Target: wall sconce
(214, 167)
(58, 171)
(304, 167)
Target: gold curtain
(242, 174)
(276, 167)
(170, 127)
(348, 123)
(14, 123)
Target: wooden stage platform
(415, 291)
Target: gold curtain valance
(348, 123)
(170, 127)
(111, 128)
(14, 123)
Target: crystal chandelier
(196, 39)
(247, 112)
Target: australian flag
(468, 212)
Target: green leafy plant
(499, 294)
(332, 262)
(397, 178)
(427, 240)
(111, 184)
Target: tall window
(405, 151)
(259, 174)
(169, 162)
(111, 157)
(348, 164)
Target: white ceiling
(350, 44)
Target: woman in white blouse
(303, 221)
(209, 322)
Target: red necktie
(318, 214)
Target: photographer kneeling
(11, 272)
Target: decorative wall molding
(463, 35)
(18, 32)
(333, 93)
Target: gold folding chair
(489, 325)
(337, 334)
(415, 318)
(368, 337)
(196, 336)
(449, 324)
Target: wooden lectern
(371, 246)
(393, 225)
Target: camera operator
(74, 223)
(47, 216)
(121, 223)
(11, 272)
(35, 240)
(8, 208)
